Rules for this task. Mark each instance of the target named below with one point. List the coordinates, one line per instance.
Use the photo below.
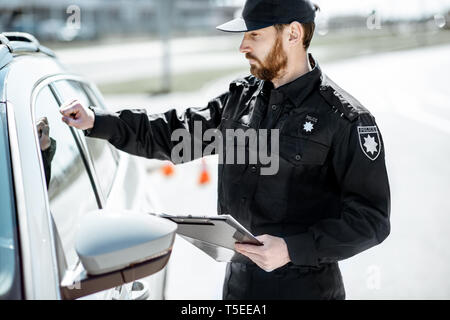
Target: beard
(275, 62)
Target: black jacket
(330, 198)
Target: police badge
(309, 124)
(370, 141)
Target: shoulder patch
(340, 100)
(369, 141)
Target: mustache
(250, 56)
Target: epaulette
(340, 100)
(243, 81)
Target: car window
(70, 191)
(105, 164)
(9, 255)
(97, 101)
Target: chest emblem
(369, 140)
(308, 127)
(309, 124)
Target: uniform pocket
(300, 151)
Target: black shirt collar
(300, 88)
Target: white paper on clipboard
(215, 235)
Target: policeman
(329, 199)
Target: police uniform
(330, 198)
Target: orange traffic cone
(168, 169)
(204, 175)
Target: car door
(119, 176)
(10, 270)
(131, 190)
(105, 163)
(71, 183)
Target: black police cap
(258, 14)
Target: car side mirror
(115, 249)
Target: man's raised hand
(76, 115)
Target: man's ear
(295, 33)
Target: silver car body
(21, 78)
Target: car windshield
(9, 273)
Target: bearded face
(273, 64)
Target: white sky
(386, 8)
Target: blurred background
(141, 36)
(392, 55)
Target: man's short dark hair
(308, 29)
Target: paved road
(409, 96)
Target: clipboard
(215, 235)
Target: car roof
(14, 45)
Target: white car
(52, 177)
